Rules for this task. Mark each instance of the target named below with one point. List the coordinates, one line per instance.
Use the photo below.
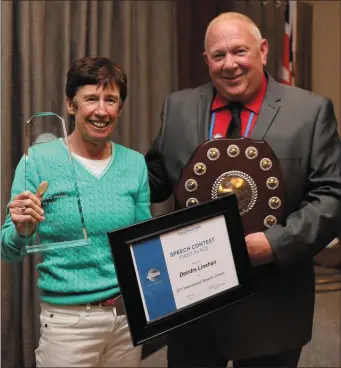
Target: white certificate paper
(199, 261)
(184, 266)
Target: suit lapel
(203, 112)
(269, 109)
(268, 112)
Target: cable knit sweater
(118, 198)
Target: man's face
(96, 111)
(235, 59)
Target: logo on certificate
(189, 230)
(153, 274)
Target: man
(269, 329)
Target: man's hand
(259, 249)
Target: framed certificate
(181, 266)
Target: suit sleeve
(159, 181)
(318, 221)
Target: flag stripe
(286, 71)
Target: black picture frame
(142, 330)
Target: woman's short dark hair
(100, 71)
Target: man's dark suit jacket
(300, 127)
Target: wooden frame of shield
(249, 168)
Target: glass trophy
(50, 174)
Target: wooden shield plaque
(246, 167)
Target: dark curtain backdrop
(193, 17)
(303, 65)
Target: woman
(80, 316)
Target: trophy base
(40, 248)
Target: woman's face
(96, 111)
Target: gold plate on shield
(248, 168)
(239, 183)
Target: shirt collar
(253, 105)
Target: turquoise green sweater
(118, 198)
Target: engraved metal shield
(246, 167)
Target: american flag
(288, 52)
